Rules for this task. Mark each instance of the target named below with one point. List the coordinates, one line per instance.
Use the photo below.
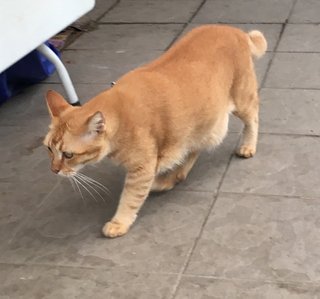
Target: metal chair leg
(63, 74)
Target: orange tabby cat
(158, 117)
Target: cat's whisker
(96, 183)
(88, 184)
(95, 187)
(93, 180)
(72, 183)
(77, 179)
(76, 184)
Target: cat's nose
(55, 170)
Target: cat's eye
(49, 148)
(67, 155)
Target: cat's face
(75, 138)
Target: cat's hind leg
(166, 181)
(249, 114)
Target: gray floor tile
(101, 6)
(30, 109)
(102, 67)
(152, 11)
(22, 157)
(124, 37)
(283, 165)
(210, 288)
(207, 172)
(34, 282)
(24, 167)
(285, 111)
(65, 214)
(294, 70)
(67, 232)
(261, 66)
(300, 38)
(25, 180)
(290, 111)
(245, 11)
(265, 238)
(5, 270)
(24, 107)
(235, 124)
(271, 31)
(17, 204)
(305, 11)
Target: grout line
(80, 33)
(205, 23)
(202, 276)
(108, 10)
(66, 266)
(298, 52)
(141, 23)
(276, 281)
(175, 38)
(279, 134)
(290, 134)
(187, 261)
(291, 88)
(291, 11)
(240, 23)
(113, 51)
(306, 23)
(267, 195)
(186, 24)
(272, 57)
(213, 192)
(263, 81)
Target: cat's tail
(257, 43)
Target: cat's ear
(96, 123)
(56, 103)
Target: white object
(27, 24)
(62, 71)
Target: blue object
(29, 70)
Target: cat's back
(207, 43)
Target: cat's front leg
(136, 189)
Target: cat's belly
(170, 158)
(216, 134)
(211, 138)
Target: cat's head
(76, 135)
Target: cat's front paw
(114, 229)
(246, 151)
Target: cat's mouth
(69, 172)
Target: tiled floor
(245, 229)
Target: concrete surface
(246, 229)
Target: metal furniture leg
(63, 74)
